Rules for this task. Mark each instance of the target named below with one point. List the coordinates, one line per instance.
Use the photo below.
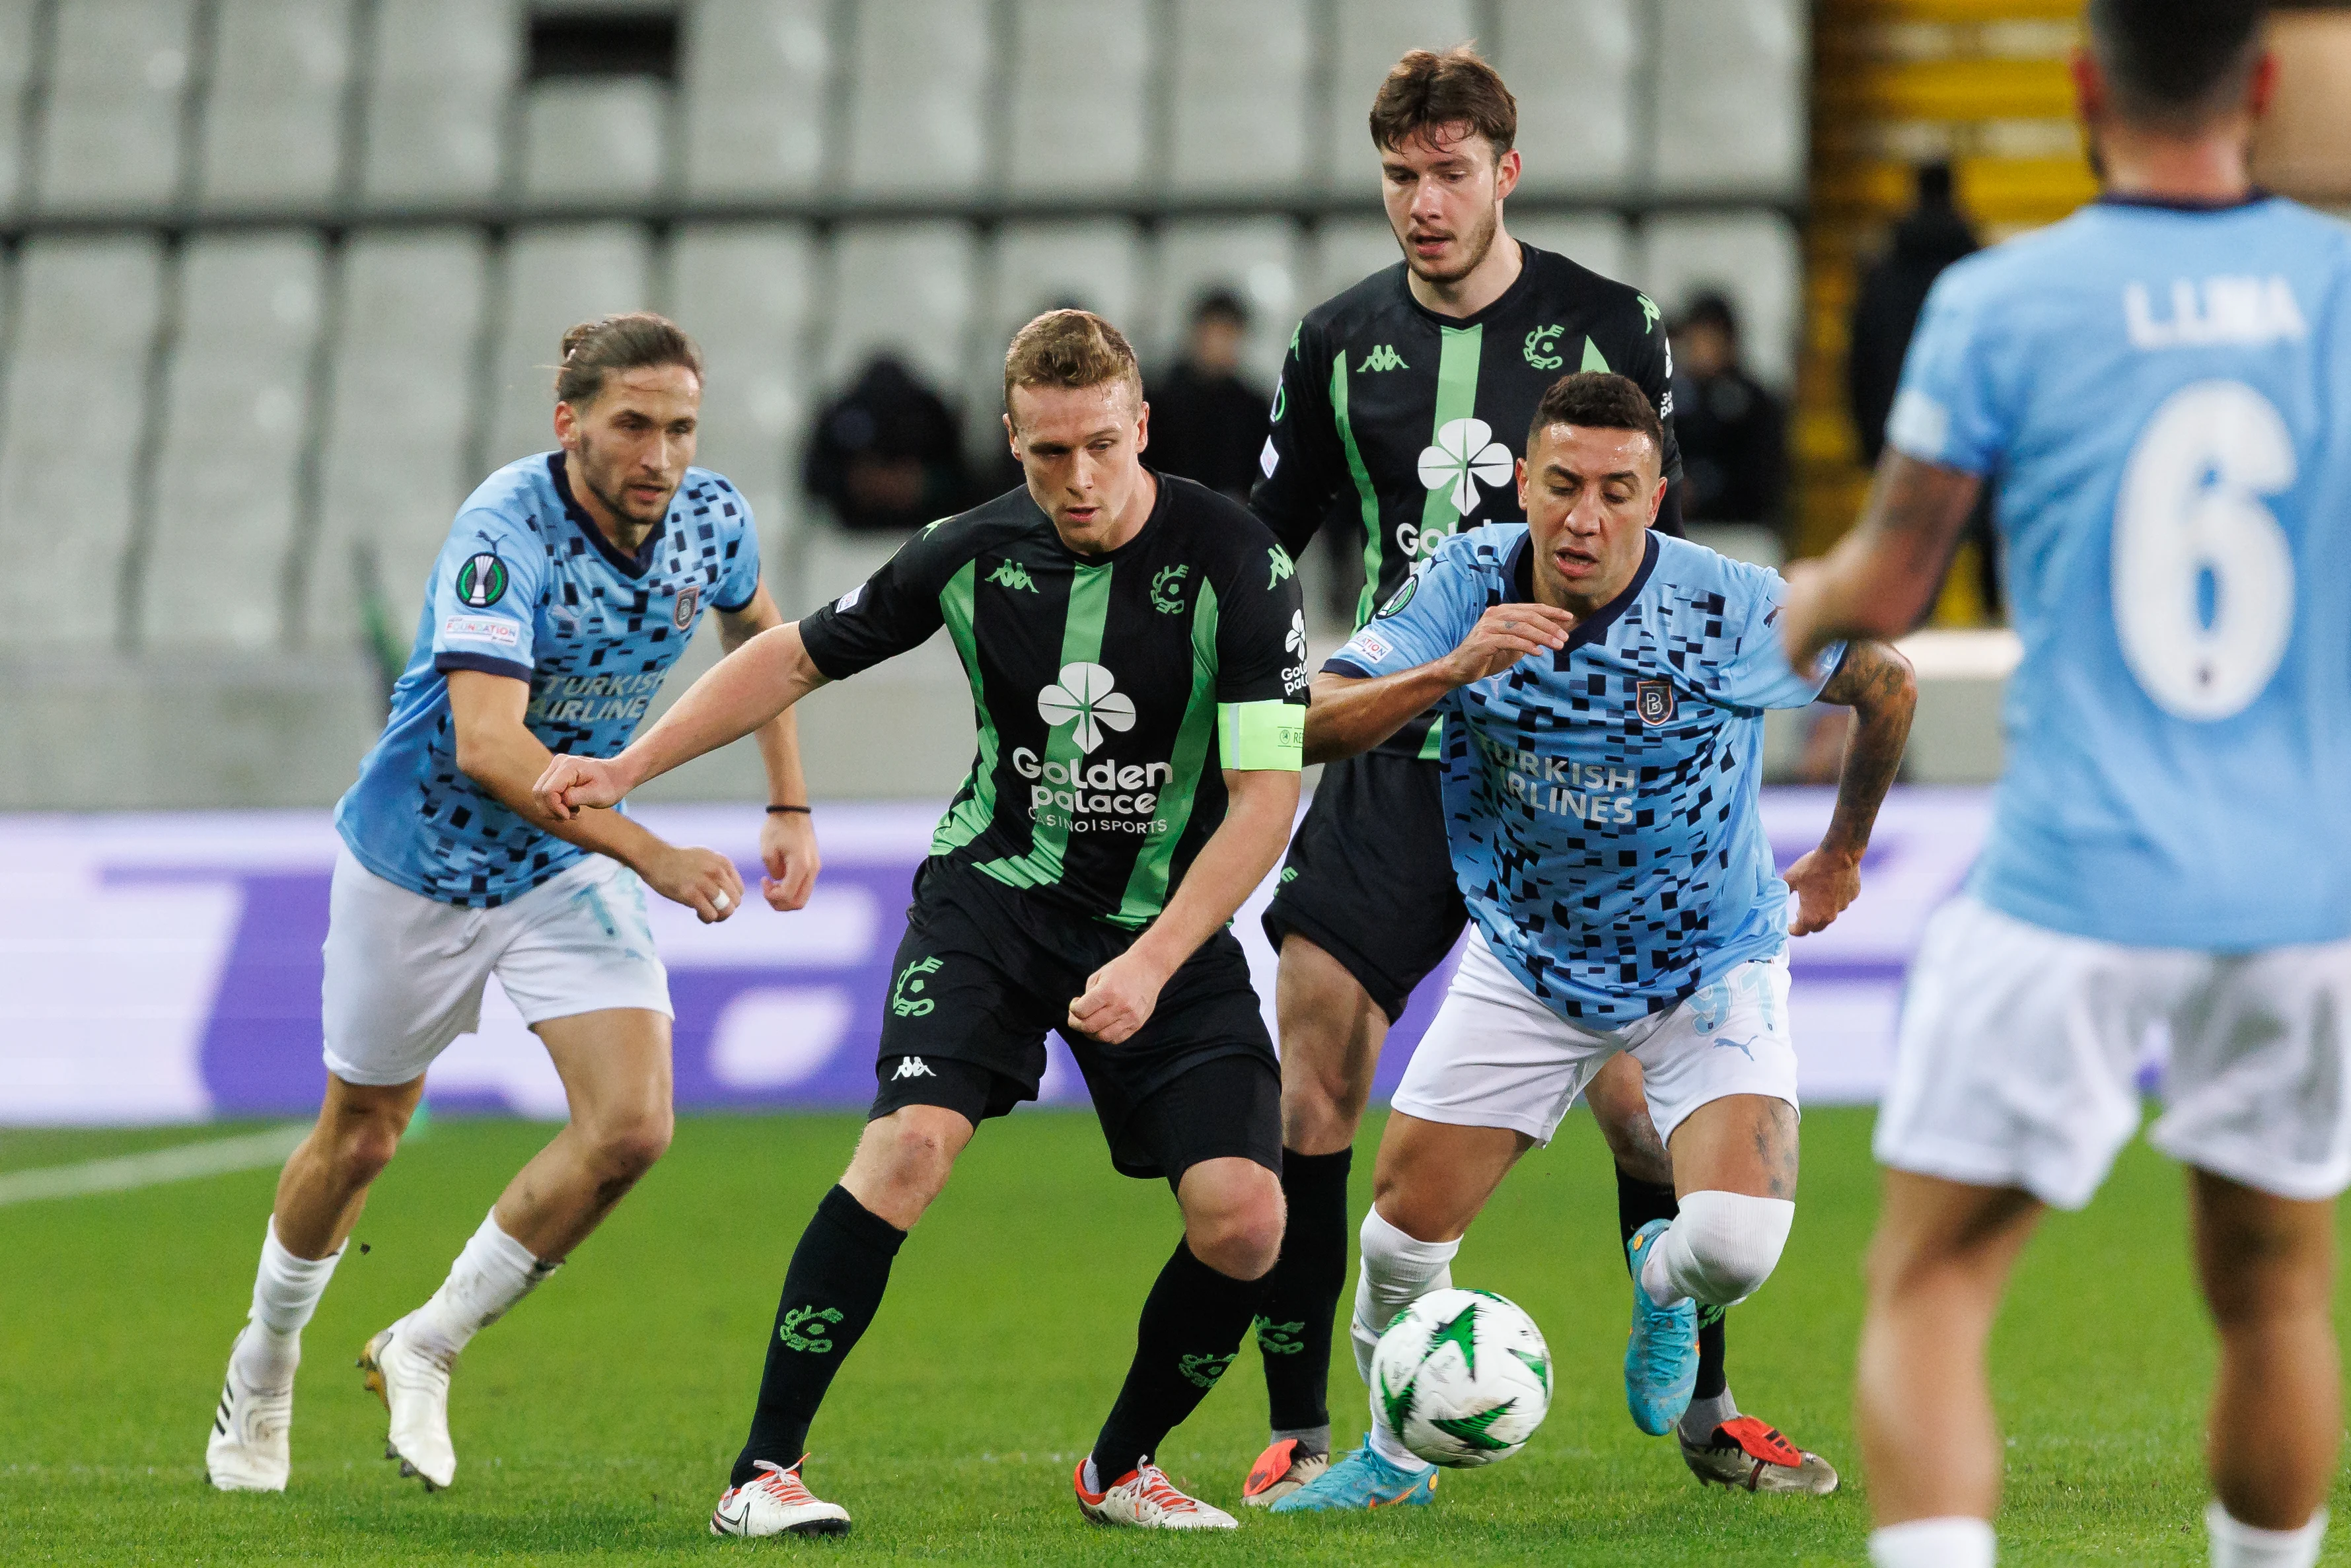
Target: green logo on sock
(1279, 1339)
(1203, 1370)
(814, 1319)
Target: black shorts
(1369, 879)
(985, 972)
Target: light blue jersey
(1601, 801)
(2161, 399)
(528, 586)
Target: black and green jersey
(1110, 691)
(1409, 424)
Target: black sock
(831, 1293)
(1712, 1379)
(1191, 1328)
(1639, 1202)
(1302, 1294)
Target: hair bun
(579, 335)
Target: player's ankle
(1954, 1541)
(265, 1358)
(1704, 1415)
(1384, 1444)
(2236, 1544)
(1313, 1441)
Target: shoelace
(1667, 1343)
(785, 1486)
(1152, 1486)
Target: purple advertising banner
(165, 967)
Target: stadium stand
(280, 280)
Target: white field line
(185, 1162)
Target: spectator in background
(1207, 422)
(886, 454)
(1734, 435)
(1929, 237)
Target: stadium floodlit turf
(599, 1420)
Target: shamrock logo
(1085, 693)
(1296, 641)
(1465, 453)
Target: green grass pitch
(597, 1421)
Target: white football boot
(414, 1387)
(1145, 1498)
(775, 1502)
(251, 1447)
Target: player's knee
(1233, 1224)
(361, 1147)
(629, 1146)
(908, 1153)
(1729, 1243)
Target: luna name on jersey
(1599, 796)
(591, 699)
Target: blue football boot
(1361, 1481)
(1661, 1356)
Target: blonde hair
(1069, 348)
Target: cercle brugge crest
(482, 580)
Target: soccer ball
(1461, 1378)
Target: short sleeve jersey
(1110, 691)
(2161, 399)
(1405, 426)
(527, 586)
(1601, 802)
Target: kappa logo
(1383, 357)
(1167, 588)
(1282, 565)
(1086, 696)
(1653, 701)
(1011, 574)
(1649, 312)
(688, 598)
(1464, 455)
(482, 580)
(1538, 348)
(912, 1067)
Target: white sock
(1699, 1422)
(489, 1277)
(1954, 1543)
(2236, 1544)
(285, 1292)
(1386, 1447)
(1396, 1272)
(1719, 1248)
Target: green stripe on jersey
(1082, 641)
(975, 805)
(1146, 886)
(1593, 360)
(1270, 734)
(1374, 544)
(1456, 398)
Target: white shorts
(1496, 1057)
(2020, 1047)
(405, 973)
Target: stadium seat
(553, 279)
(1731, 96)
(921, 97)
(1258, 258)
(70, 423)
(1598, 242)
(436, 105)
(273, 115)
(16, 67)
(1239, 94)
(1370, 36)
(401, 412)
(905, 289)
(757, 75)
(600, 138)
(237, 409)
(1037, 265)
(1348, 250)
(743, 292)
(111, 136)
(1089, 143)
(1754, 259)
(1573, 66)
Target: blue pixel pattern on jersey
(2161, 398)
(1601, 802)
(527, 587)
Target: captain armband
(1262, 736)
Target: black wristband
(803, 811)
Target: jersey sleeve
(1422, 621)
(890, 613)
(486, 591)
(738, 572)
(1651, 366)
(1949, 408)
(1261, 665)
(1302, 464)
(1753, 671)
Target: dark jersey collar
(1507, 300)
(1593, 628)
(626, 566)
(2253, 197)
